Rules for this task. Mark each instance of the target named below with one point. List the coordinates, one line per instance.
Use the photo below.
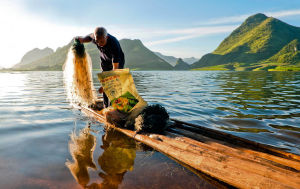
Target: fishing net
(78, 76)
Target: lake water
(36, 124)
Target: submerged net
(78, 76)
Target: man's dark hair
(100, 32)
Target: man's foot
(97, 106)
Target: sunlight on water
(12, 84)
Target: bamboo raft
(227, 158)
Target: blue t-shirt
(110, 53)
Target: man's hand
(78, 39)
(115, 66)
(100, 90)
(85, 39)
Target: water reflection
(260, 106)
(117, 158)
(81, 149)
(261, 102)
(119, 152)
(253, 95)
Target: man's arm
(116, 54)
(85, 39)
(115, 66)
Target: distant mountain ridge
(34, 55)
(172, 60)
(253, 44)
(53, 61)
(259, 43)
(181, 65)
(137, 57)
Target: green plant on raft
(125, 102)
(78, 48)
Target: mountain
(252, 45)
(289, 53)
(190, 60)
(137, 57)
(53, 61)
(33, 55)
(181, 65)
(172, 60)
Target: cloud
(285, 13)
(189, 33)
(226, 20)
(241, 18)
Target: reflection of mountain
(258, 95)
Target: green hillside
(138, 57)
(288, 54)
(253, 43)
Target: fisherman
(111, 54)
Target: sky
(180, 28)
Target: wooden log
(225, 148)
(238, 172)
(245, 162)
(232, 171)
(234, 139)
(217, 183)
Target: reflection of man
(111, 54)
(117, 158)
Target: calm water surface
(44, 143)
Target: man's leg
(105, 101)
